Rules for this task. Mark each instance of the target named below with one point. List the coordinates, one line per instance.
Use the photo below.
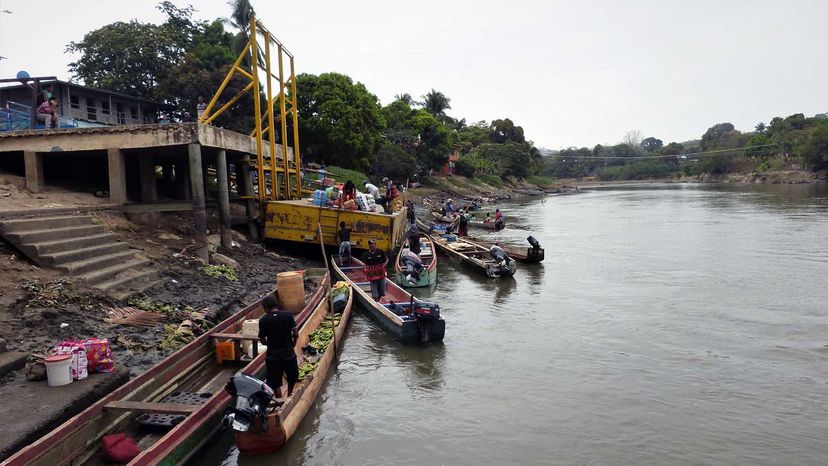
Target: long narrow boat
(474, 255)
(428, 255)
(448, 219)
(519, 253)
(406, 318)
(172, 409)
(283, 422)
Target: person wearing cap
(375, 262)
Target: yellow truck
(297, 220)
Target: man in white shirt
(373, 190)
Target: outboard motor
(412, 270)
(251, 398)
(426, 313)
(534, 242)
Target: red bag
(120, 448)
(99, 355)
(375, 272)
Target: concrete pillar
(35, 180)
(149, 184)
(117, 176)
(199, 210)
(223, 198)
(244, 182)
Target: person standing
(201, 107)
(463, 228)
(48, 93)
(372, 190)
(344, 244)
(375, 262)
(278, 331)
(411, 214)
(498, 220)
(47, 113)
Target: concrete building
(80, 106)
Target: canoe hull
(282, 424)
(406, 330)
(426, 279)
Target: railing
(17, 117)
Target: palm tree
(405, 98)
(240, 19)
(435, 103)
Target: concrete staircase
(75, 244)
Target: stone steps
(75, 244)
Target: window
(119, 113)
(105, 107)
(133, 113)
(74, 101)
(91, 109)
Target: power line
(635, 157)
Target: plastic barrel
(291, 288)
(59, 369)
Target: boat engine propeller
(251, 398)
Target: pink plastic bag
(99, 355)
(78, 352)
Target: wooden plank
(143, 406)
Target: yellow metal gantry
(267, 161)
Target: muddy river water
(669, 324)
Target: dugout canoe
(283, 422)
(189, 384)
(517, 252)
(473, 254)
(394, 311)
(428, 255)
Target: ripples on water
(667, 325)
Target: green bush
(464, 167)
(345, 174)
(542, 181)
(638, 170)
(491, 180)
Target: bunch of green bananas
(307, 368)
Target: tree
(673, 148)
(405, 98)
(510, 159)
(713, 137)
(758, 146)
(434, 140)
(815, 149)
(341, 122)
(132, 58)
(632, 138)
(395, 162)
(651, 145)
(760, 127)
(240, 19)
(502, 131)
(435, 103)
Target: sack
(35, 368)
(78, 352)
(99, 355)
(119, 448)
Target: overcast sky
(571, 73)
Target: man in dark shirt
(277, 330)
(375, 261)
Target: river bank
(770, 177)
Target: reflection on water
(675, 324)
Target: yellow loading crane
(284, 214)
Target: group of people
(47, 109)
(461, 217)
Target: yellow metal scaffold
(267, 162)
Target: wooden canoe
(404, 328)
(428, 255)
(439, 217)
(192, 369)
(282, 423)
(517, 252)
(472, 254)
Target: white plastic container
(59, 369)
(250, 327)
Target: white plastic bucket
(59, 369)
(250, 327)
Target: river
(669, 324)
